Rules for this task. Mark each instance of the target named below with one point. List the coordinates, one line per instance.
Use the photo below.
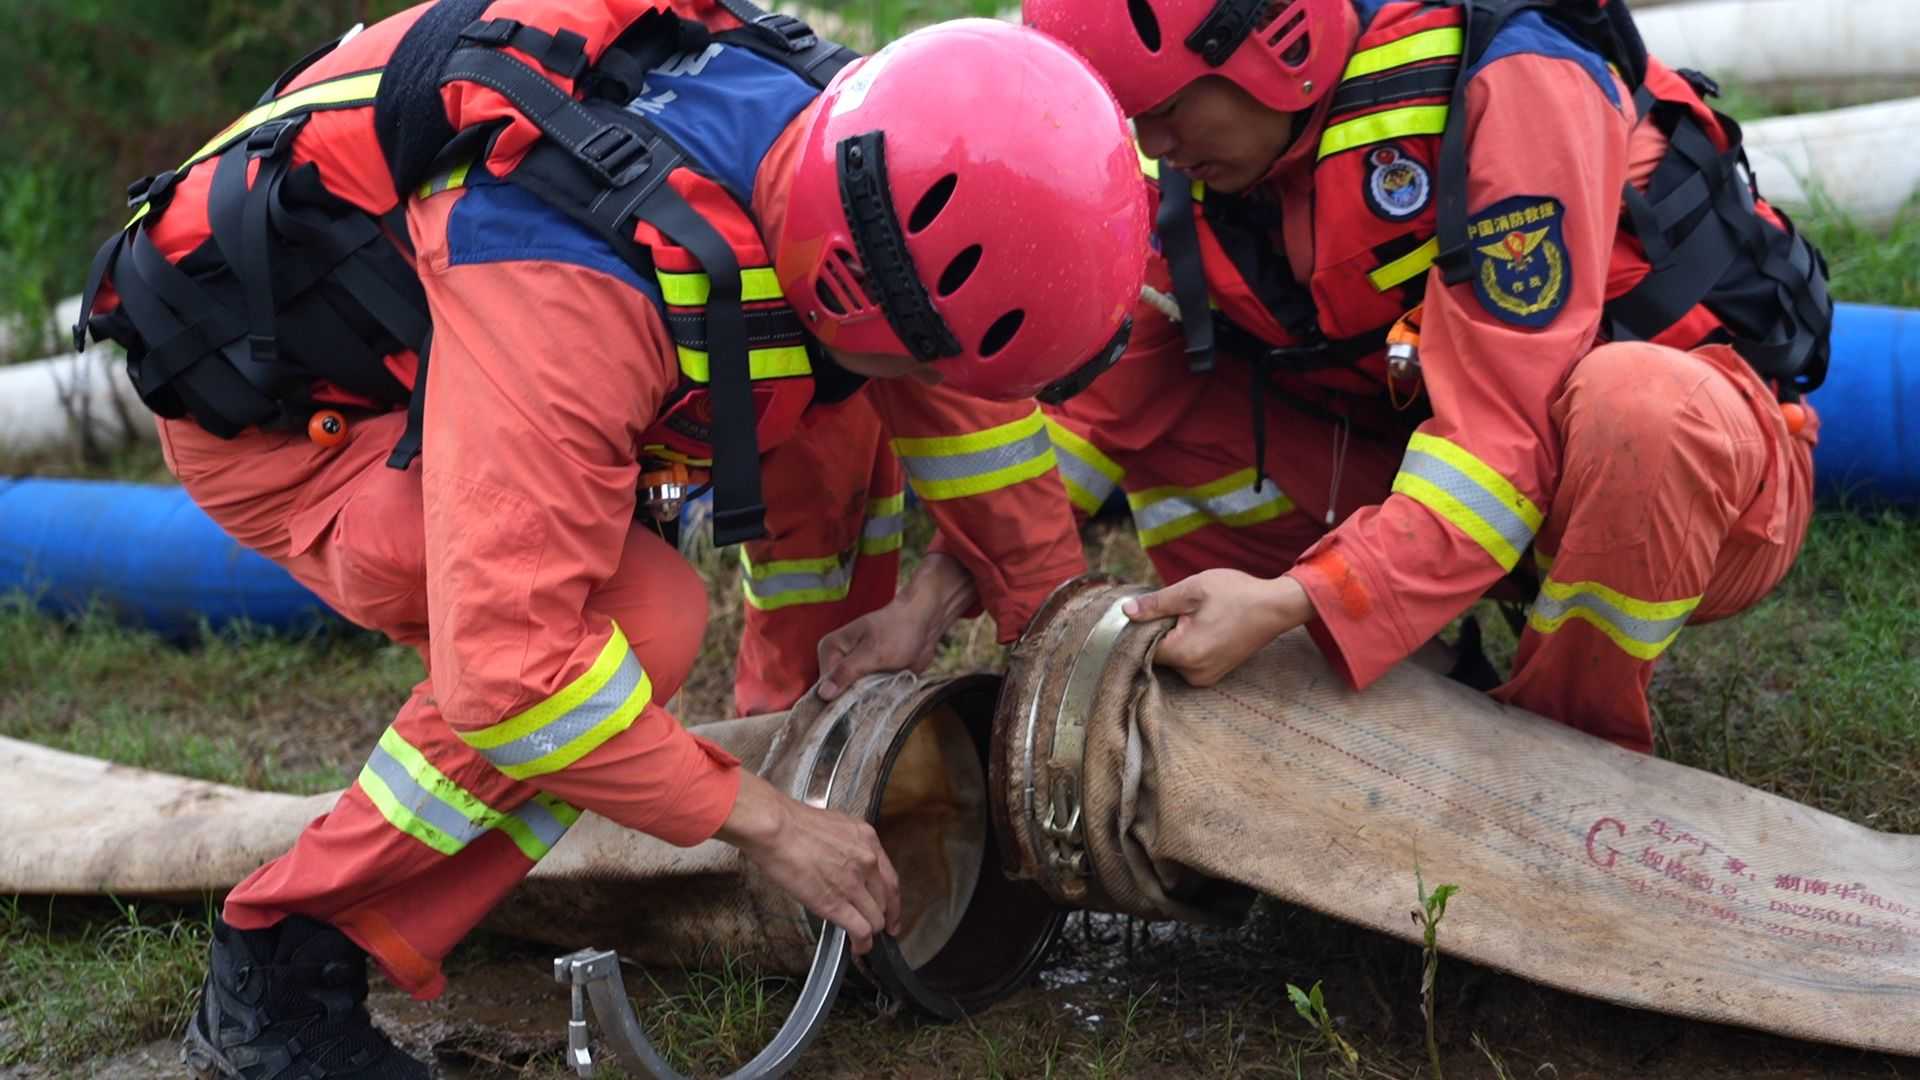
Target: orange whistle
(327, 428)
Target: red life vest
(1698, 258)
(269, 275)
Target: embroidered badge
(1520, 259)
(1397, 187)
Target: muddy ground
(1118, 998)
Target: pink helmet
(1286, 53)
(970, 196)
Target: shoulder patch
(1520, 266)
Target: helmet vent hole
(959, 270)
(842, 279)
(1285, 31)
(1001, 332)
(1145, 24)
(930, 204)
(827, 299)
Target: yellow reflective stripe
(347, 92)
(1408, 266)
(447, 181)
(1089, 475)
(955, 466)
(781, 583)
(596, 706)
(1378, 127)
(1478, 501)
(344, 92)
(691, 290)
(1167, 513)
(1425, 45)
(886, 527)
(1641, 628)
(423, 802)
(779, 363)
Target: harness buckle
(615, 154)
(495, 32)
(791, 34)
(151, 189)
(274, 137)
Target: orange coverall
(552, 624)
(1654, 487)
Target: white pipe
(1787, 43)
(1860, 158)
(20, 337)
(59, 402)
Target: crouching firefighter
(1505, 303)
(424, 323)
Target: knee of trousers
(1627, 406)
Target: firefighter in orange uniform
(1601, 339)
(678, 247)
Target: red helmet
(1286, 53)
(970, 196)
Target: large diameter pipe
(1787, 45)
(1581, 865)
(63, 402)
(1844, 155)
(908, 756)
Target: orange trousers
(352, 529)
(1679, 485)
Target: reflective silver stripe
(766, 588)
(1225, 505)
(880, 528)
(933, 468)
(1484, 504)
(540, 821)
(1096, 484)
(422, 802)
(575, 722)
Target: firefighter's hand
(1225, 616)
(901, 636)
(831, 863)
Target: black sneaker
(289, 1003)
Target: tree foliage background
(97, 93)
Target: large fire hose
(1581, 866)
(907, 755)
(1111, 786)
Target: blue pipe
(146, 552)
(1870, 407)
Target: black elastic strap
(1227, 25)
(1372, 91)
(867, 198)
(409, 117)
(102, 265)
(1180, 241)
(408, 448)
(739, 514)
(611, 151)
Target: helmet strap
(868, 202)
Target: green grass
(238, 707)
(82, 979)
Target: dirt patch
(1122, 998)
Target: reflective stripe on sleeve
(1461, 488)
(1167, 513)
(566, 727)
(1641, 628)
(426, 804)
(782, 583)
(1387, 124)
(1089, 475)
(1425, 45)
(955, 466)
(886, 524)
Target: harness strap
(1180, 241)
